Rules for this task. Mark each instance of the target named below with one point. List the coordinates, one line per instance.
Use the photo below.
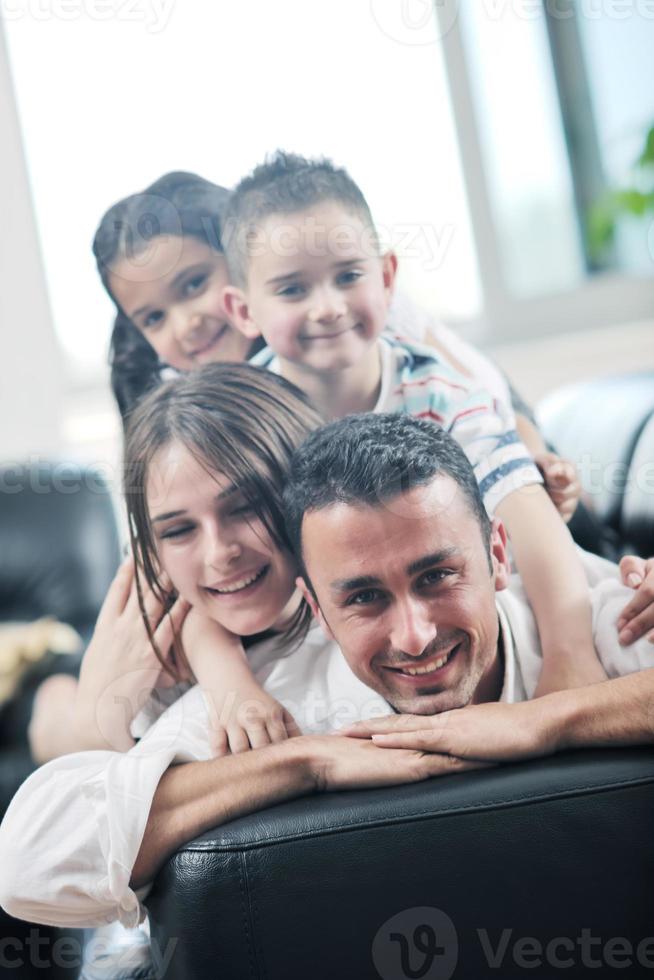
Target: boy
(307, 273)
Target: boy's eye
(349, 277)
(294, 291)
(193, 284)
(152, 319)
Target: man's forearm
(612, 713)
(196, 796)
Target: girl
(159, 257)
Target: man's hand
(637, 617)
(338, 763)
(493, 732)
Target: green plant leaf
(601, 225)
(632, 201)
(646, 158)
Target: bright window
(118, 100)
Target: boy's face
(318, 291)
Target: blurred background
(503, 146)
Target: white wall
(32, 375)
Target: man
(402, 567)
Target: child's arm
(560, 475)
(243, 715)
(546, 557)
(556, 587)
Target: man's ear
(389, 272)
(313, 605)
(238, 311)
(499, 554)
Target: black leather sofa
(537, 869)
(59, 551)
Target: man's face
(407, 591)
(317, 289)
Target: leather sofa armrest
(320, 886)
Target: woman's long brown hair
(237, 420)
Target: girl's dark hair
(177, 204)
(240, 421)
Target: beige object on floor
(24, 644)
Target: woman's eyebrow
(166, 517)
(223, 495)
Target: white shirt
(71, 835)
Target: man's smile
(427, 668)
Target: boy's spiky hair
(284, 183)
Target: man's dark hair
(370, 459)
(284, 184)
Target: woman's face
(172, 292)
(215, 550)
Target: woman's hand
(120, 669)
(561, 482)
(637, 617)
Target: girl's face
(217, 553)
(172, 292)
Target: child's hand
(638, 615)
(248, 720)
(242, 716)
(561, 482)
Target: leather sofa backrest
(58, 543)
(606, 428)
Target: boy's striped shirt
(415, 380)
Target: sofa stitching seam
(247, 926)
(445, 811)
